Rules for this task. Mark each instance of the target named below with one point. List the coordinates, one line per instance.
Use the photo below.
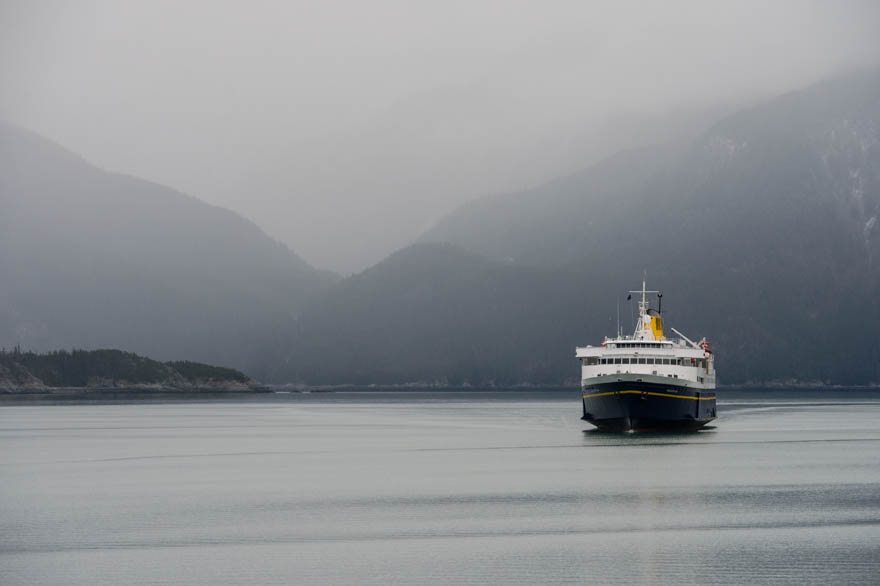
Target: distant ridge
(435, 314)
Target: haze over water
(399, 488)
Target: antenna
(618, 318)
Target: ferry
(648, 381)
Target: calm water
(403, 488)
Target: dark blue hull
(646, 406)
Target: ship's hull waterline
(644, 406)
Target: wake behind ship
(647, 382)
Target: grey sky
(345, 128)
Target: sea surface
(505, 487)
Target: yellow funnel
(657, 326)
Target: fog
(344, 129)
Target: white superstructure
(648, 355)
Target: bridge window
(617, 361)
(591, 360)
(641, 361)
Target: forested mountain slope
(92, 259)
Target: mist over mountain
(94, 259)
(816, 147)
(762, 233)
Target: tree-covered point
(193, 371)
(81, 368)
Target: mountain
(92, 259)
(762, 233)
(435, 313)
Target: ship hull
(647, 406)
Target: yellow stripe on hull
(712, 398)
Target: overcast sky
(345, 128)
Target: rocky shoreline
(66, 395)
